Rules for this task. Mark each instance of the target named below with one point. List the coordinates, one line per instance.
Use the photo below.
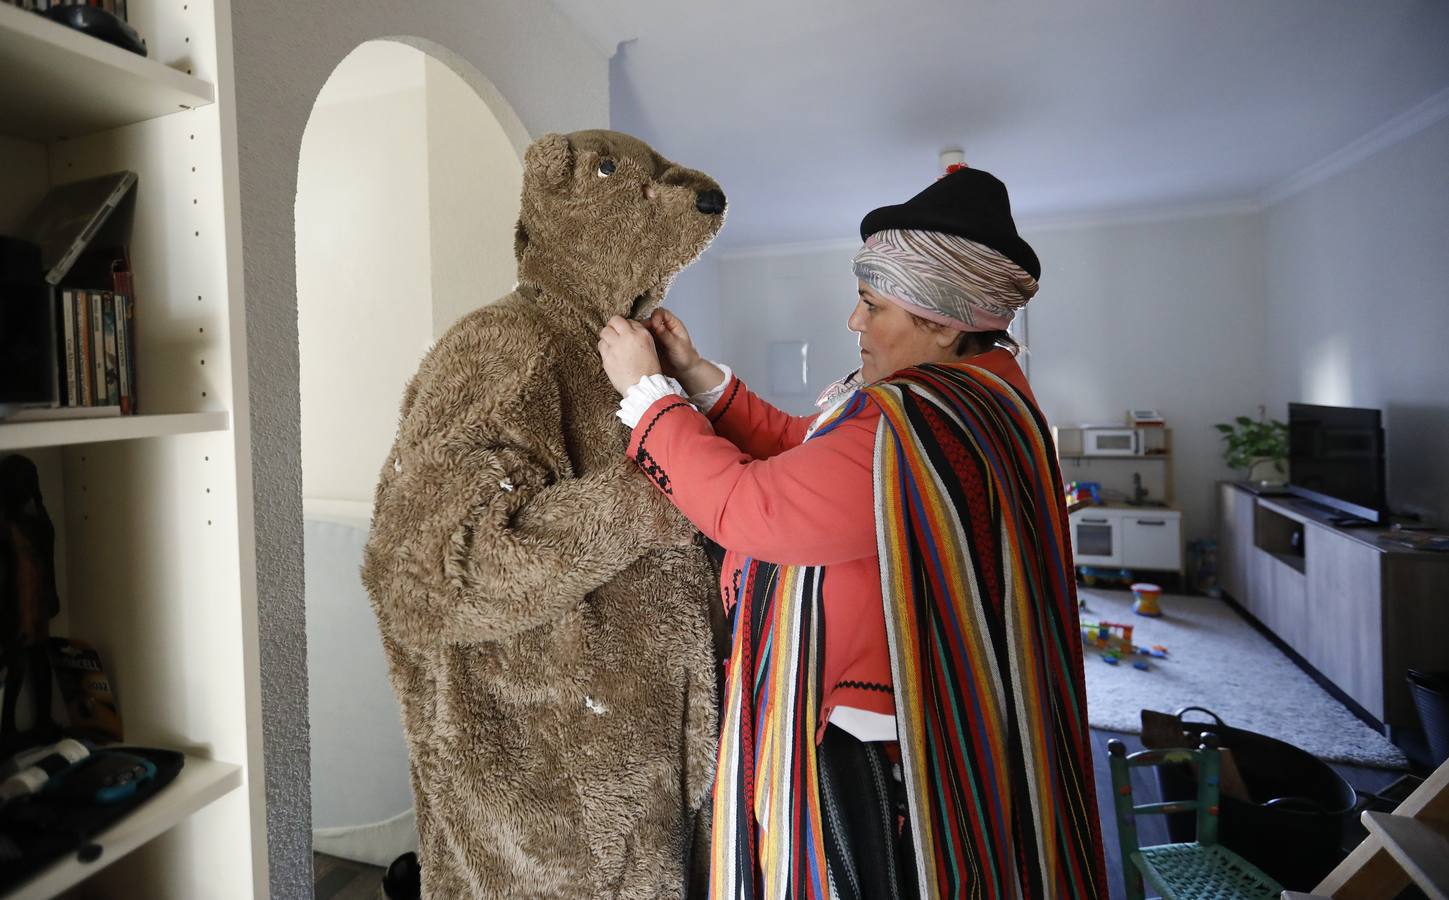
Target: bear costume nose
(711, 203)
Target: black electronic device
(1336, 459)
(64, 819)
(104, 777)
(26, 340)
(100, 25)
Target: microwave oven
(1111, 441)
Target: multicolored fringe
(986, 657)
(768, 840)
(985, 650)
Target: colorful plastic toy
(1114, 640)
(1093, 576)
(1084, 490)
(1110, 636)
(1146, 595)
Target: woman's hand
(677, 354)
(628, 353)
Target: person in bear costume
(545, 612)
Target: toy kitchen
(1119, 483)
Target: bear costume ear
(549, 160)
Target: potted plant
(1251, 445)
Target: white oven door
(1096, 538)
(1112, 442)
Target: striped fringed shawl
(981, 614)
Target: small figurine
(28, 597)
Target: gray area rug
(1216, 660)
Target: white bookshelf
(153, 543)
(23, 435)
(199, 782)
(60, 83)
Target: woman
(900, 581)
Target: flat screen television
(1336, 458)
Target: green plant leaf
(1248, 441)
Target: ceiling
(812, 112)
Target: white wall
(1167, 315)
(1358, 306)
(787, 294)
(401, 230)
(351, 703)
(695, 299)
(475, 179)
(364, 313)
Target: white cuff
(704, 402)
(636, 402)
(864, 725)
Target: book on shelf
(112, 367)
(79, 352)
(66, 352)
(124, 353)
(95, 359)
(83, 357)
(98, 347)
(121, 283)
(106, 370)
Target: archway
(408, 183)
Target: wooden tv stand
(1358, 612)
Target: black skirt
(868, 848)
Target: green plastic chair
(1201, 870)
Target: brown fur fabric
(544, 609)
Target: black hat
(968, 203)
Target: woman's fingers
(669, 328)
(621, 326)
(627, 351)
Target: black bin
(1431, 699)
(1294, 831)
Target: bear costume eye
(606, 168)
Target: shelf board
(59, 83)
(1420, 850)
(62, 432)
(200, 782)
(1122, 456)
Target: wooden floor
(343, 879)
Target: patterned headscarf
(944, 278)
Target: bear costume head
(608, 221)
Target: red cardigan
(745, 477)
